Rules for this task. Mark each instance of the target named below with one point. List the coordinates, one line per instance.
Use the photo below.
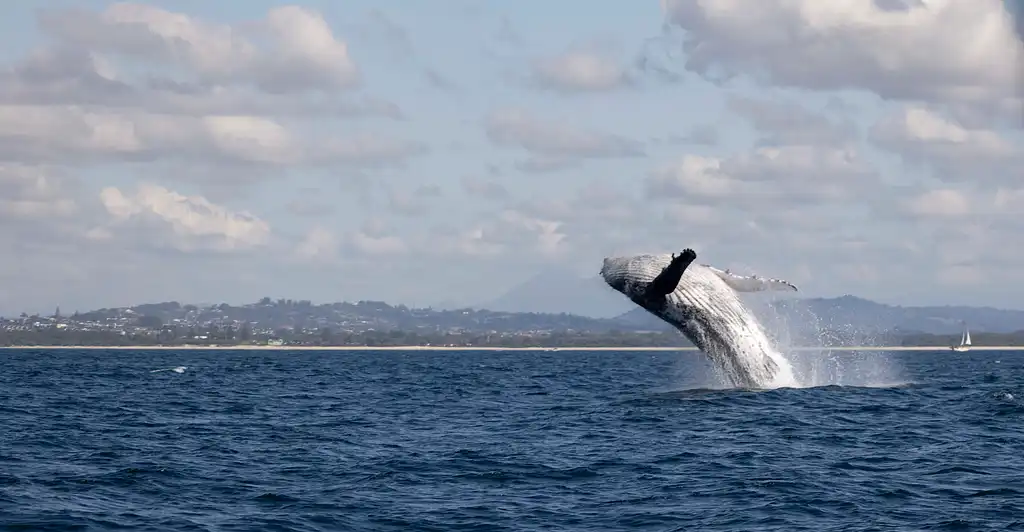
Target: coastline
(442, 348)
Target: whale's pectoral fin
(753, 283)
(667, 281)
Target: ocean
(483, 440)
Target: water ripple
(296, 441)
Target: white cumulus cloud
(192, 221)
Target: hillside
(843, 320)
(556, 291)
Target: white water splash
(803, 363)
(814, 360)
(176, 369)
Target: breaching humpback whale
(702, 302)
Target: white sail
(965, 341)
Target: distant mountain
(556, 291)
(345, 316)
(843, 321)
(865, 317)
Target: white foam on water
(176, 369)
(815, 363)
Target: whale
(703, 303)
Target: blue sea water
(315, 440)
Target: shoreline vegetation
(186, 347)
(843, 324)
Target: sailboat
(965, 342)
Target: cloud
(309, 208)
(940, 203)
(800, 157)
(543, 235)
(954, 52)
(81, 76)
(963, 209)
(786, 123)
(137, 83)
(811, 184)
(68, 133)
(545, 164)
(319, 244)
(365, 245)
(296, 50)
(189, 223)
(415, 202)
(595, 204)
(373, 243)
(225, 122)
(1010, 200)
(955, 152)
(693, 176)
(572, 230)
(33, 194)
(769, 175)
(507, 33)
(439, 80)
(580, 70)
(690, 215)
(368, 149)
(137, 90)
(546, 139)
(391, 34)
(700, 135)
(480, 188)
(510, 233)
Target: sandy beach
(442, 348)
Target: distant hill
(868, 315)
(556, 291)
(846, 320)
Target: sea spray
(810, 341)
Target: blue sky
(423, 153)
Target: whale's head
(613, 273)
(629, 276)
(647, 280)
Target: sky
(430, 153)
